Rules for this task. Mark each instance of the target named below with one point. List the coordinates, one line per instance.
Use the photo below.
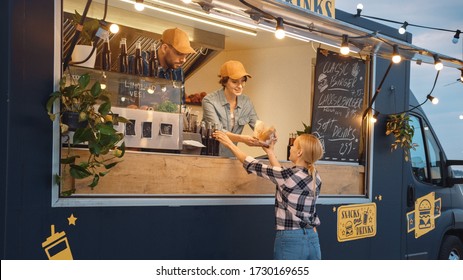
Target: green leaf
(111, 165)
(96, 179)
(104, 108)
(96, 89)
(79, 172)
(83, 135)
(69, 160)
(84, 80)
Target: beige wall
(280, 87)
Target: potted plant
(87, 33)
(398, 125)
(92, 109)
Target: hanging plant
(399, 126)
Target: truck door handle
(410, 195)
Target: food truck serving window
(161, 166)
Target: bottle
(216, 143)
(138, 60)
(106, 56)
(210, 140)
(292, 137)
(153, 63)
(203, 131)
(123, 58)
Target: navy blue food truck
(168, 198)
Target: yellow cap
(233, 69)
(178, 39)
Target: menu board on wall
(338, 104)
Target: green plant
(93, 106)
(307, 129)
(399, 126)
(89, 28)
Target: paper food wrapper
(264, 133)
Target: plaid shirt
(296, 193)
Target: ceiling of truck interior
(236, 14)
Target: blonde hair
(312, 149)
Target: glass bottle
(210, 140)
(216, 143)
(153, 63)
(123, 58)
(106, 56)
(138, 61)
(203, 131)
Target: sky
(444, 14)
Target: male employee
(172, 53)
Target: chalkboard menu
(337, 104)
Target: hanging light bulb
(280, 30)
(345, 45)
(461, 117)
(437, 63)
(114, 28)
(359, 9)
(139, 6)
(456, 37)
(403, 28)
(103, 82)
(396, 58)
(434, 100)
(374, 117)
(461, 75)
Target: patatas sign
(323, 7)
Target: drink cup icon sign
(57, 246)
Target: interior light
(114, 28)
(396, 58)
(434, 100)
(280, 30)
(359, 9)
(139, 6)
(345, 45)
(403, 28)
(437, 63)
(456, 37)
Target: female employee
(229, 107)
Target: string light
(374, 117)
(359, 9)
(396, 58)
(186, 1)
(139, 6)
(456, 37)
(461, 75)
(345, 45)
(434, 100)
(280, 30)
(403, 28)
(437, 63)
(114, 28)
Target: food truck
(168, 198)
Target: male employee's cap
(233, 69)
(178, 39)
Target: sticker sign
(356, 221)
(422, 219)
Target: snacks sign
(356, 221)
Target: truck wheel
(451, 249)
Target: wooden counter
(174, 174)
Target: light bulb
(437, 63)
(359, 9)
(114, 28)
(456, 37)
(435, 100)
(461, 117)
(139, 6)
(403, 28)
(396, 58)
(344, 45)
(122, 98)
(280, 30)
(186, 1)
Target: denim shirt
(216, 109)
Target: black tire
(451, 248)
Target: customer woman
(229, 107)
(297, 191)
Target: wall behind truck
(205, 232)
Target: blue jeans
(299, 244)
